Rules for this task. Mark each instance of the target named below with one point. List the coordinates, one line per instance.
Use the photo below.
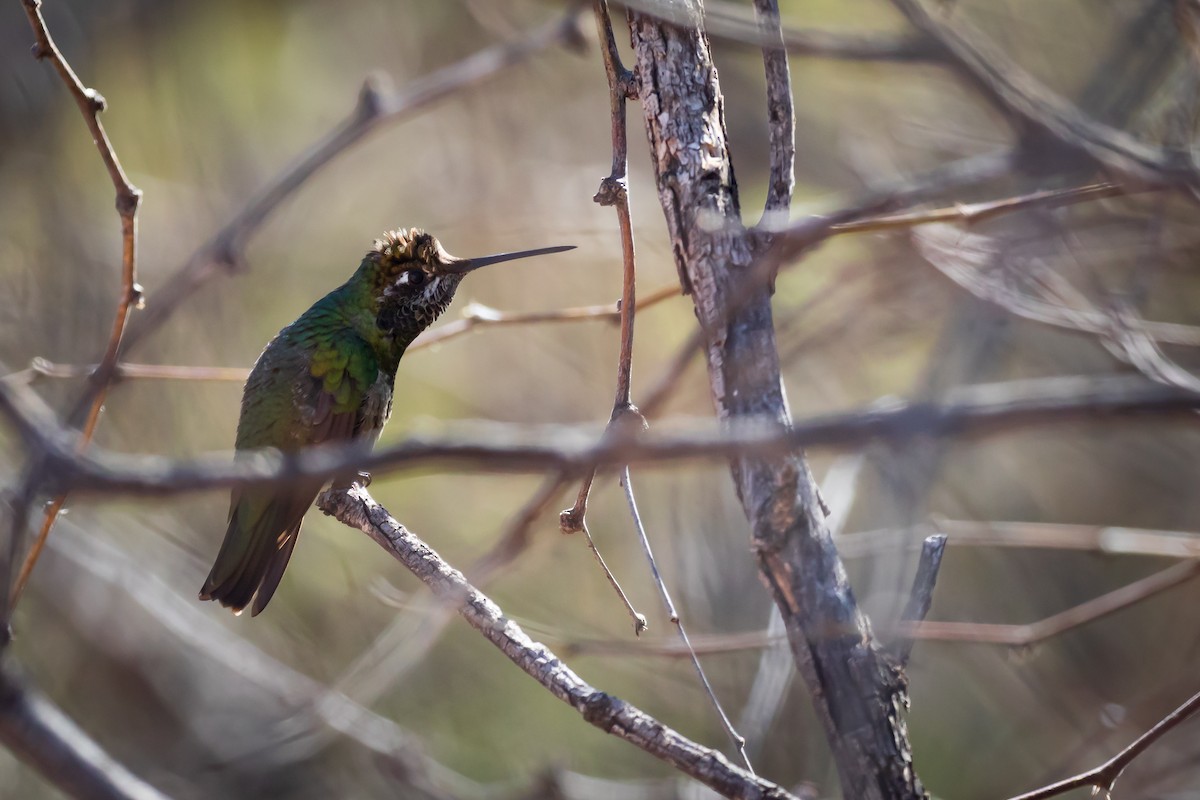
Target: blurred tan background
(207, 101)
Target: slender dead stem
(90, 103)
(739, 741)
(613, 192)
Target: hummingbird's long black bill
(469, 264)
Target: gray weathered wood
(858, 692)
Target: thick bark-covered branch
(356, 508)
(858, 693)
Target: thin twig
(739, 741)
(90, 103)
(474, 316)
(613, 192)
(639, 620)
(1104, 777)
(355, 508)
(971, 213)
(1056, 624)
(1017, 636)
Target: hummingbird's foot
(364, 479)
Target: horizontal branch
(474, 316)
(733, 23)
(970, 411)
(356, 508)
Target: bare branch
(971, 213)
(90, 103)
(376, 107)
(739, 741)
(1057, 624)
(970, 411)
(1104, 777)
(613, 191)
(730, 22)
(911, 628)
(42, 736)
(1020, 95)
(781, 119)
(356, 508)
(474, 316)
(921, 596)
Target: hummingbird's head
(415, 279)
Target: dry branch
(356, 508)
(376, 107)
(968, 412)
(90, 103)
(42, 736)
(858, 694)
(1022, 97)
(1103, 777)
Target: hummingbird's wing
(331, 397)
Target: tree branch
(857, 692)
(42, 736)
(1105, 776)
(90, 103)
(355, 507)
(376, 107)
(970, 411)
(1020, 95)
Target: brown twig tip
(570, 520)
(611, 192)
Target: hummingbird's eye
(413, 277)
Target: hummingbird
(329, 377)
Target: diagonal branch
(42, 736)
(970, 411)
(376, 107)
(1103, 777)
(1022, 96)
(355, 507)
